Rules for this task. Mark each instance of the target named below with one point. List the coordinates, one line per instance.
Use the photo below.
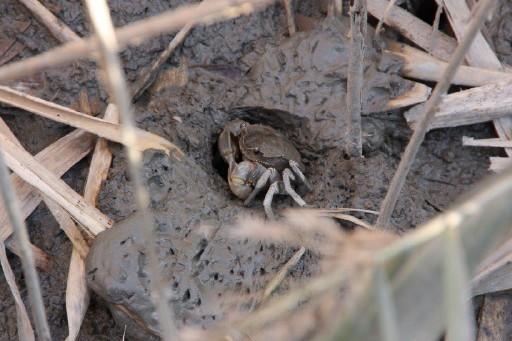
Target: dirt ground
(220, 59)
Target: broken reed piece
(422, 66)
(480, 54)
(111, 131)
(413, 29)
(417, 94)
(481, 104)
(33, 172)
(470, 141)
(499, 163)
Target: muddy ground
(219, 59)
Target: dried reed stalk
(355, 83)
(398, 180)
(102, 128)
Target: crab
(259, 157)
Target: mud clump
(307, 75)
(199, 260)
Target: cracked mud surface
(229, 65)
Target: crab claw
(240, 178)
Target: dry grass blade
(99, 15)
(352, 219)
(281, 305)
(457, 300)
(475, 105)
(25, 331)
(101, 160)
(398, 180)
(30, 170)
(279, 277)
(149, 75)
(58, 158)
(414, 264)
(77, 295)
(102, 128)
(56, 27)
(420, 65)
(387, 314)
(62, 217)
(135, 33)
(41, 258)
(69, 227)
(20, 232)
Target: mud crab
(260, 157)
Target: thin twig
(355, 79)
(59, 30)
(27, 259)
(384, 17)
(149, 75)
(398, 180)
(101, 21)
(290, 19)
(435, 25)
(135, 33)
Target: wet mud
(234, 70)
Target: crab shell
(268, 147)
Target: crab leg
(287, 176)
(295, 167)
(267, 202)
(261, 183)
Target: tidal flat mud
(240, 63)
